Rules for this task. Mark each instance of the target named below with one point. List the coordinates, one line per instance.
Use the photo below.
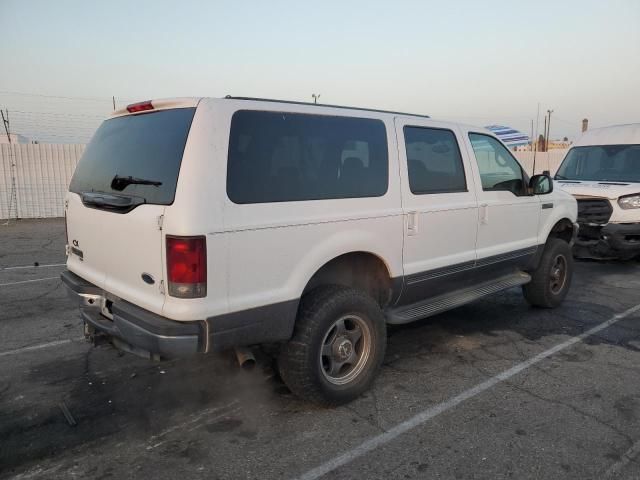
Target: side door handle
(484, 214)
(412, 223)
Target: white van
(197, 225)
(602, 170)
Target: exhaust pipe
(245, 358)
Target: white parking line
(38, 347)
(20, 267)
(627, 457)
(29, 281)
(429, 413)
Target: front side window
(282, 157)
(498, 169)
(434, 162)
(602, 163)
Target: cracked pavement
(574, 415)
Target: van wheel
(551, 281)
(337, 347)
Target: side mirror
(541, 184)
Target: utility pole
(544, 135)
(5, 124)
(548, 128)
(585, 124)
(13, 199)
(114, 103)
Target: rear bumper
(619, 240)
(147, 334)
(133, 328)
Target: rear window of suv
(280, 157)
(147, 147)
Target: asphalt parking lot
(492, 390)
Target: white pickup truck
(602, 170)
(197, 225)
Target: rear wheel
(551, 281)
(337, 347)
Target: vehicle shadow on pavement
(107, 393)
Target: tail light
(187, 266)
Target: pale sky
(472, 61)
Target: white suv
(602, 170)
(197, 225)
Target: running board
(433, 306)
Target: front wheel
(337, 347)
(551, 281)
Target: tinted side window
(433, 161)
(498, 169)
(280, 157)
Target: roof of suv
(361, 109)
(613, 135)
(182, 102)
(325, 105)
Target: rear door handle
(484, 214)
(412, 223)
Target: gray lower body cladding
(142, 332)
(422, 286)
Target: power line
(13, 198)
(58, 114)
(93, 99)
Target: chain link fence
(34, 178)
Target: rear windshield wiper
(120, 183)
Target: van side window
(499, 170)
(283, 157)
(434, 162)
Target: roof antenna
(315, 97)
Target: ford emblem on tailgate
(148, 278)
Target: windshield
(136, 156)
(603, 163)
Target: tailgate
(121, 254)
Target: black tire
(544, 290)
(304, 369)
